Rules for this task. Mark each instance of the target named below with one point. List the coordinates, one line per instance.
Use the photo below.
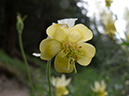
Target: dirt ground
(11, 87)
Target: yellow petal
(49, 48)
(106, 32)
(110, 28)
(113, 29)
(79, 33)
(57, 31)
(88, 51)
(61, 91)
(61, 63)
(51, 30)
(105, 93)
(74, 36)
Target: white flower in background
(109, 24)
(60, 85)
(99, 88)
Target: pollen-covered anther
(70, 49)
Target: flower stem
(48, 76)
(26, 63)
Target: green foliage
(14, 64)
(81, 82)
(19, 71)
(127, 44)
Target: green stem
(48, 76)
(26, 63)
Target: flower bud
(20, 24)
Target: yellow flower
(60, 84)
(66, 41)
(110, 28)
(100, 88)
(108, 3)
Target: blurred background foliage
(41, 14)
(108, 64)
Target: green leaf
(127, 44)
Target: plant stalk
(48, 76)
(26, 63)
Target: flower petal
(61, 63)
(36, 54)
(107, 18)
(88, 51)
(70, 22)
(67, 81)
(61, 91)
(74, 36)
(49, 48)
(62, 81)
(57, 31)
(103, 84)
(53, 81)
(79, 33)
(59, 82)
(97, 86)
(110, 28)
(93, 89)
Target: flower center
(71, 51)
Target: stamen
(65, 54)
(72, 52)
(78, 54)
(75, 68)
(73, 61)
